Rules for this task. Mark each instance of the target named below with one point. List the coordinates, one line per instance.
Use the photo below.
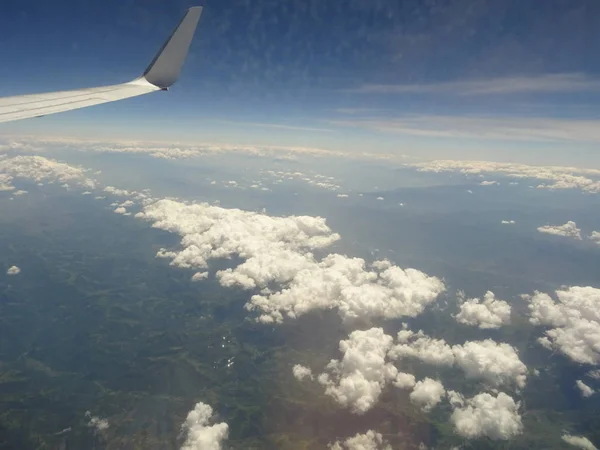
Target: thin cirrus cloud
(529, 129)
(278, 126)
(545, 83)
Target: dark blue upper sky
(389, 75)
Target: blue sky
(511, 80)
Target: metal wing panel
(160, 74)
(36, 105)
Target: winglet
(166, 65)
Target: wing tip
(164, 69)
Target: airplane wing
(160, 74)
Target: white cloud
(595, 236)
(120, 210)
(199, 434)
(575, 322)
(5, 182)
(316, 180)
(38, 169)
(585, 390)
(143, 196)
(485, 415)
(96, 422)
(380, 198)
(301, 372)
(543, 83)
(417, 345)
(488, 183)
(13, 270)
(371, 440)
(427, 393)
(498, 128)
(279, 250)
(404, 380)
(495, 363)
(342, 196)
(20, 192)
(199, 276)
(579, 441)
(356, 381)
(508, 222)
(555, 177)
(593, 374)
(168, 150)
(489, 313)
(569, 229)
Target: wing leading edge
(160, 74)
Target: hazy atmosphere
(355, 225)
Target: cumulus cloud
(579, 441)
(199, 276)
(13, 270)
(595, 236)
(417, 345)
(489, 313)
(371, 440)
(6, 182)
(316, 180)
(495, 363)
(427, 393)
(120, 210)
(585, 390)
(301, 372)
(356, 381)
(279, 250)
(508, 222)
(574, 320)
(38, 169)
(199, 434)
(593, 374)
(553, 177)
(569, 229)
(485, 415)
(96, 423)
(404, 380)
(488, 183)
(342, 195)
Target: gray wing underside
(160, 74)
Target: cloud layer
(279, 250)
(552, 177)
(495, 363)
(574, 321)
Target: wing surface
(160, 74)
